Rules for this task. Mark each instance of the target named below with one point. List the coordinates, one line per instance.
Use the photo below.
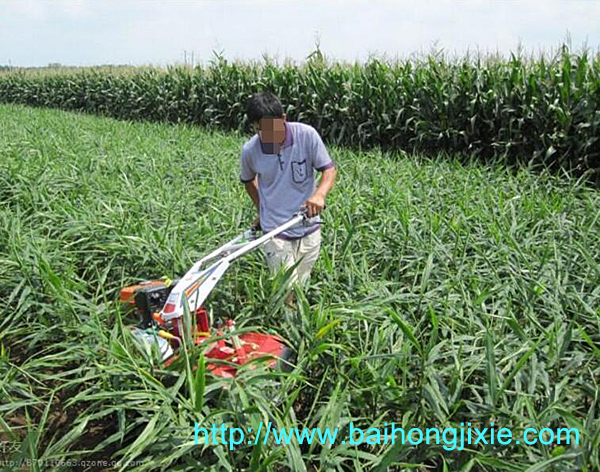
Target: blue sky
(88, 32)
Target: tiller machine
(160, 305)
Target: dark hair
(263, 104)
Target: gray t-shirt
(285, 180)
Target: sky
(162, 32)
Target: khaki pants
(280, 252)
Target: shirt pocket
(299, 171)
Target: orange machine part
(127, 294)
(253, 345)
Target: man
(277, 168)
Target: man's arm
(252, 190)
(249, 179)
(316, 202)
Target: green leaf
(324, 330)
(200, 384)
(405, 329)
(492, 378)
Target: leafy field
(445, 293)
(541, 111)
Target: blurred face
(271, 132)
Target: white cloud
(23, 10)
(75, 10)
(35, 32)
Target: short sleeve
(247, 173)
(320, 157)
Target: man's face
(271, 132)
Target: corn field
(540, 112)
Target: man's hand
(315, 204)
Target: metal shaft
(258, 242)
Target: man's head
(265, 112)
